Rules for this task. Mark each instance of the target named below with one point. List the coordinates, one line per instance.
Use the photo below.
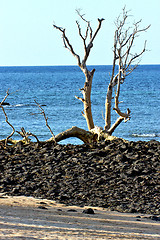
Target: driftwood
(22, 133)
(83, 135)
(94, 135)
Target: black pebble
(155, 218)
(88, 211)
(72, 210)
(43, 203)
(60, 210)
(42, 207)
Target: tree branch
(67, 43)
(7, 94)
(25, 135)
(115, 125)
(90, 45)
(83, 135)
(89, 29)
(6, 118)
(79, 98)
(46, 119)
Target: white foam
(146, 135)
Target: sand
(30, 218)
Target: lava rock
(117, 175)
(42, 207)
(89, 211)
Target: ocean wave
(19, 105)
(22, 105)
(149, 135)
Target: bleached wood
(124, 39)
(86, 100)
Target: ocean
(55, 88)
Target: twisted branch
(6, 118)
(25, 135)
(46, 119)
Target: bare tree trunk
(108, 106)
(108, 103)
(86, 90)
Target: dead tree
(86, 90)
(123, 57)
(126, 61)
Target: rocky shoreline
(117, 175)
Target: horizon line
(70, 65)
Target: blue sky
(27, 37)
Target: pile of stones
(117, 175)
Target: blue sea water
(56, 87)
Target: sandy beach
(31, 218)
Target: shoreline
(32, 218)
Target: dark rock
(5, 103)
(116, 175)
(89, 211)
(43, 203)
(42, 207)
(71, 210)
(155, 218)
